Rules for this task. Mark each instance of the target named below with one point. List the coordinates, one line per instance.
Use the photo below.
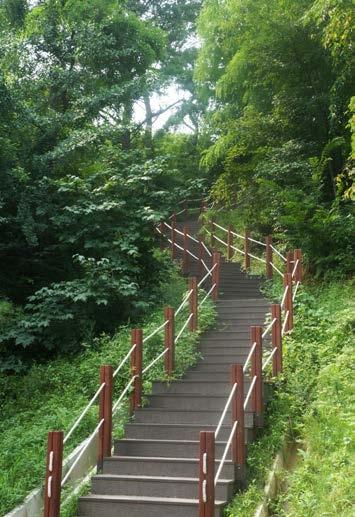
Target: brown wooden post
(173, 237)
(53, 479)
(185, 256)
(276, 339)
(268, 256)
(257, 370)
(193, 300)
(288, 301)
(212, 233)
(105, 414)
(238, 444)
(299, 273)
(161, 228)
(246, 250)
(201, 254)
(186, 210)
(169, 340)
(216, 259)
(289, 262)
(230, 243)
(206, 474)
(136, 368)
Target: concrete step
(128, 506)
(191, 402)
(173, 431)
(184, 386)
(182, 416)
(155, 486)
(157, 466)
(164, 448)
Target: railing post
(161, 228)
(53, 479)
(105, 414)
(276, 339)
(288, 301)
(136, 368)
(212, 233)
(246, 250)
(268, 256)
(257, 370)
(299, 273)
(193, 300)
(185, 256)
(238, 444)
(169, 340)
(186, 210)
(216, 259)
(206, 491)
(230, 242)
(173, 237)
(201, 254)
(289, 262)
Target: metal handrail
(284, 323)
(208, 251)
(284, 296)
(83, 413)
(257, 242)
(296, 289)
(207, 295)
(245, 367)
(123, 361)
(268, 328)
(152, 363)
(295, 268)
(237, 249)
(159, 329)
(220, 240)
(85, 446)
(183, 327)
(278, 253)
(184, 302)
(220, 422)
(209, 273)
(276, 269)
(223, 459)
(246, 401)
(271, 355)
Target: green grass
(313, 406)
(50, 396)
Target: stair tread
(142, 499)
(177, 479)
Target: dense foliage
(81, 187)
(311, 409)
(61, 388)
(278, 77)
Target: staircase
(154, 469)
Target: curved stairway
(154, 469)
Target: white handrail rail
(158, 329)
(184, 302)
(257, 242)
(183, 327)
(192, 255)
(285, 323)
(208, 251)
(276, 269)
(278, 253)
(268, 328)
(271, 355)
(295, 267)
(250, 391)
(207, 295)
(176, 245)
(168, 225)
(83, 413)
(223, 459)
(219, 425)
(284, 296)
(120, 398)
(219, 226)
(237, 235)
(220, 240)
(204, 264)
(152, 363)
(123, 361)
(193, 238)
(295, 292)
(256, 258)
(237, 249)
(245, 367)
(209, 273)
(85, 446)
